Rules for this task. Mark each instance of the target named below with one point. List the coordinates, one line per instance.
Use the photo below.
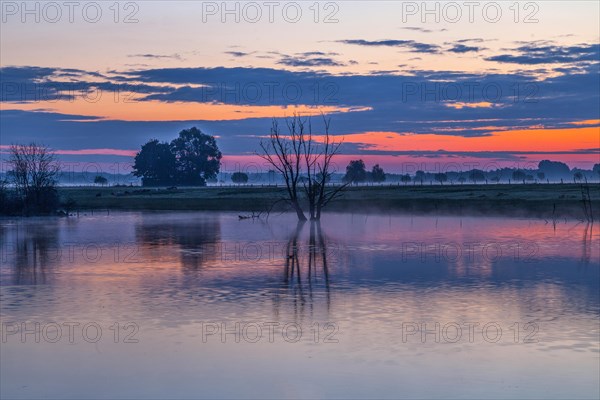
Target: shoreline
(519, 200)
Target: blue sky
(515, 83)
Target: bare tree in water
(305, 163)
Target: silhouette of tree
(541, 176)
(3, 196)
(355, 172)
(441, 177)
(239, 177)
(34, 172)
(554, 169)
(198, 157)
(476, 175)
(155, 164)
(519, 175)
(377, 174)
(420, 176)
(190, 159)
(100, 180)
(304, 164)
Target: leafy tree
(420, 176)
(519, 175)
(239, 177)
(441, 177)
(155, 164)
(355, 172)
(100, 180)
(405, 178)
(596, 169)
(541, 176)
(191, 159)
(577, 176)
(554, 169)
(476, 175)
(198, 157)
(461, 179)
(377, 174)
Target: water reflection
(33, 251)
(218, 252)
(587, 243)
(305, 271)
(196, 239)
(169, 272)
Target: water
(211, 306)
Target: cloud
(422, 30)
(463, 45)
(239, 54)
(318, 53)
(174, 56)
(461, 104)
(416, 29)
(26, 73)
(543, 53)
(417, 101)
(292, 61)
(29, 84)
(208, 76)
(410, 45)
(105, 152)
(47, 116)
(461, 48)
(474, 40)
(310, 59)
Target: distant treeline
(553, 172)
(547, 171)
(70, 178)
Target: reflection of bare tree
(195, 239)
(586, 248)
(306, 271)
(33, 251)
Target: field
(535, 200)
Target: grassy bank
(537, 200)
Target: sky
(408, 85)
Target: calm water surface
(188, 305)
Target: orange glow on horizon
(516, 140)
(106, 108)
